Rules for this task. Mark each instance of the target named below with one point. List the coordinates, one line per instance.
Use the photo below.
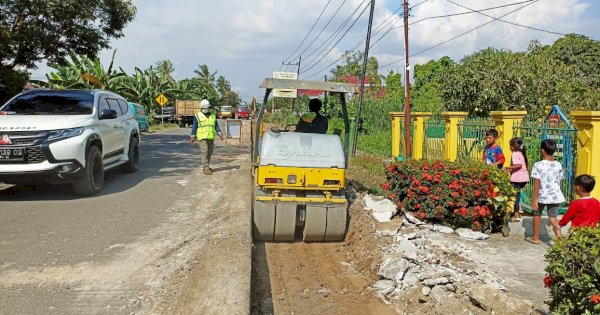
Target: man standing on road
(204, 130)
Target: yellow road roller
(299, 178)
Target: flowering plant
(465, 194)
(574, 272)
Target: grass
(367, 172)
(158, 127)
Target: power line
(323, 29)
(313, 63)
(512, 23)
(374, 32)
(449, 15)
(460, 35)
(310, 31)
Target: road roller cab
(299, 178)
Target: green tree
(428, 78)
(32, 31)
(82, 72)
(208, 78)
(165, 69)
(352, 66)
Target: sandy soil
(320, 278)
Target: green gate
(434, 138)
(533, 132)
(471, 137)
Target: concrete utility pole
(364, 76)
(298, 72)
(406, 84)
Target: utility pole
(364, 76)
(325, 99)
(406, 84)
(298, 73)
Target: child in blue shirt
(492, 154)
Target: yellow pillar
(505, 121)
(397, 118)
(588, 149)
(419, 136)
(451, 140)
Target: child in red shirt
(584, 211)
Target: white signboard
(287, 93)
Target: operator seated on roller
(313, 122)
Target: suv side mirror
(108, 114)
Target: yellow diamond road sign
(161, 100)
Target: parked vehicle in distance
(243, 112)
(166, 114)
(67, 136)
(225, 112)
(140, 115)
(185, 111)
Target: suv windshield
(225, 108)
(51, 103)
(242, 109)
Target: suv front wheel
(92, 177)
(134, 155)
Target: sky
(245, 41)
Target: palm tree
(165, 69)
(205, 76)
(223, 86)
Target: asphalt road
(120, 252)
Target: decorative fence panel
(533, 132)
(434, 138)
(471, 139)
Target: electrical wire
(331, 38)
(321, 32)
(376, 30)
(460, 35)
(310, 31)
(508, 22)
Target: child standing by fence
(518, 171)
(546, 190)
(584, 211)
(492, 154)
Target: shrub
(574, 272)
(460, 195)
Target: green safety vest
(206, 127)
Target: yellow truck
(225, 112)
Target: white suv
(67, 136)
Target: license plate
(12, 154)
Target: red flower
(422, 215)
(547, 281)
(386, 186)
(455, 194)
(477, 193)
(424, 189)
(463, 211)
(393, 196)
(595, 299)
(482, 212)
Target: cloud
(247, 40)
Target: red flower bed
(464, 194)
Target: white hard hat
(204, 104)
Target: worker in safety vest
(204, 130)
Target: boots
(207, 171)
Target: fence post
(419, 137)
(397, 118)
(588, 150)
(505, 122)
(451, 139)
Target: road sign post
(162, 100)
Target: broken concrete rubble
(382, 209)
(473, 235)
(431, 261)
